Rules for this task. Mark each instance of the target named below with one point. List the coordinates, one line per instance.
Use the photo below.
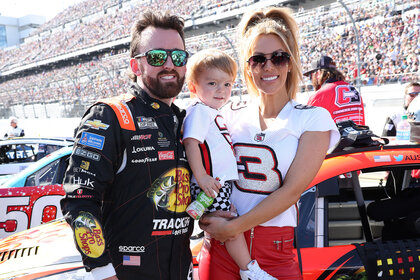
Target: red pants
(271, 247)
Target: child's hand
(209, 185)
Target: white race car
(18, 153)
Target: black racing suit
(128, 178)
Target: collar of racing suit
(145, 98)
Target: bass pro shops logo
(89, 235)
(171, 191)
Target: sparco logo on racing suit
(131, 249)
(123, 113)
(171, 191)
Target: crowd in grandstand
(389, 44)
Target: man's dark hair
(411, 84)
(155, 19)
(327, 74)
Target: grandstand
(82, 53)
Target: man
(340, 98)
(14, 130)
(127, 185)
(411, 91)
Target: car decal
(336, 165)
(27, 207)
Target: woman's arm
(313, 146)
(207, 183)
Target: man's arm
(93, 163)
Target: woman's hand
(218, 225)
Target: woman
(279, 146)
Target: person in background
(411, 90)
(333, 93)
(128, 181)
(279, 147)
(210, 76)
(14, 130)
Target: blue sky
(47, 8)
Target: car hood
(41, 251)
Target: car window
(45, 149)
(17, 153)
(345, 221)
(44, 176)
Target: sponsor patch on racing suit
(135, 181)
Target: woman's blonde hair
(277, 21)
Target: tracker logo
(160, 224)
(166, 155)
(131, 249)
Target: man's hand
(112, 278)
(209, 185)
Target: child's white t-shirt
(208, 126)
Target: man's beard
(166, 90)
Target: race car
(32, 197)
(337, 239)
(18, 153)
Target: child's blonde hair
(210, 58)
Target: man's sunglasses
(413, 94)
(277, 58)
(158, 57)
